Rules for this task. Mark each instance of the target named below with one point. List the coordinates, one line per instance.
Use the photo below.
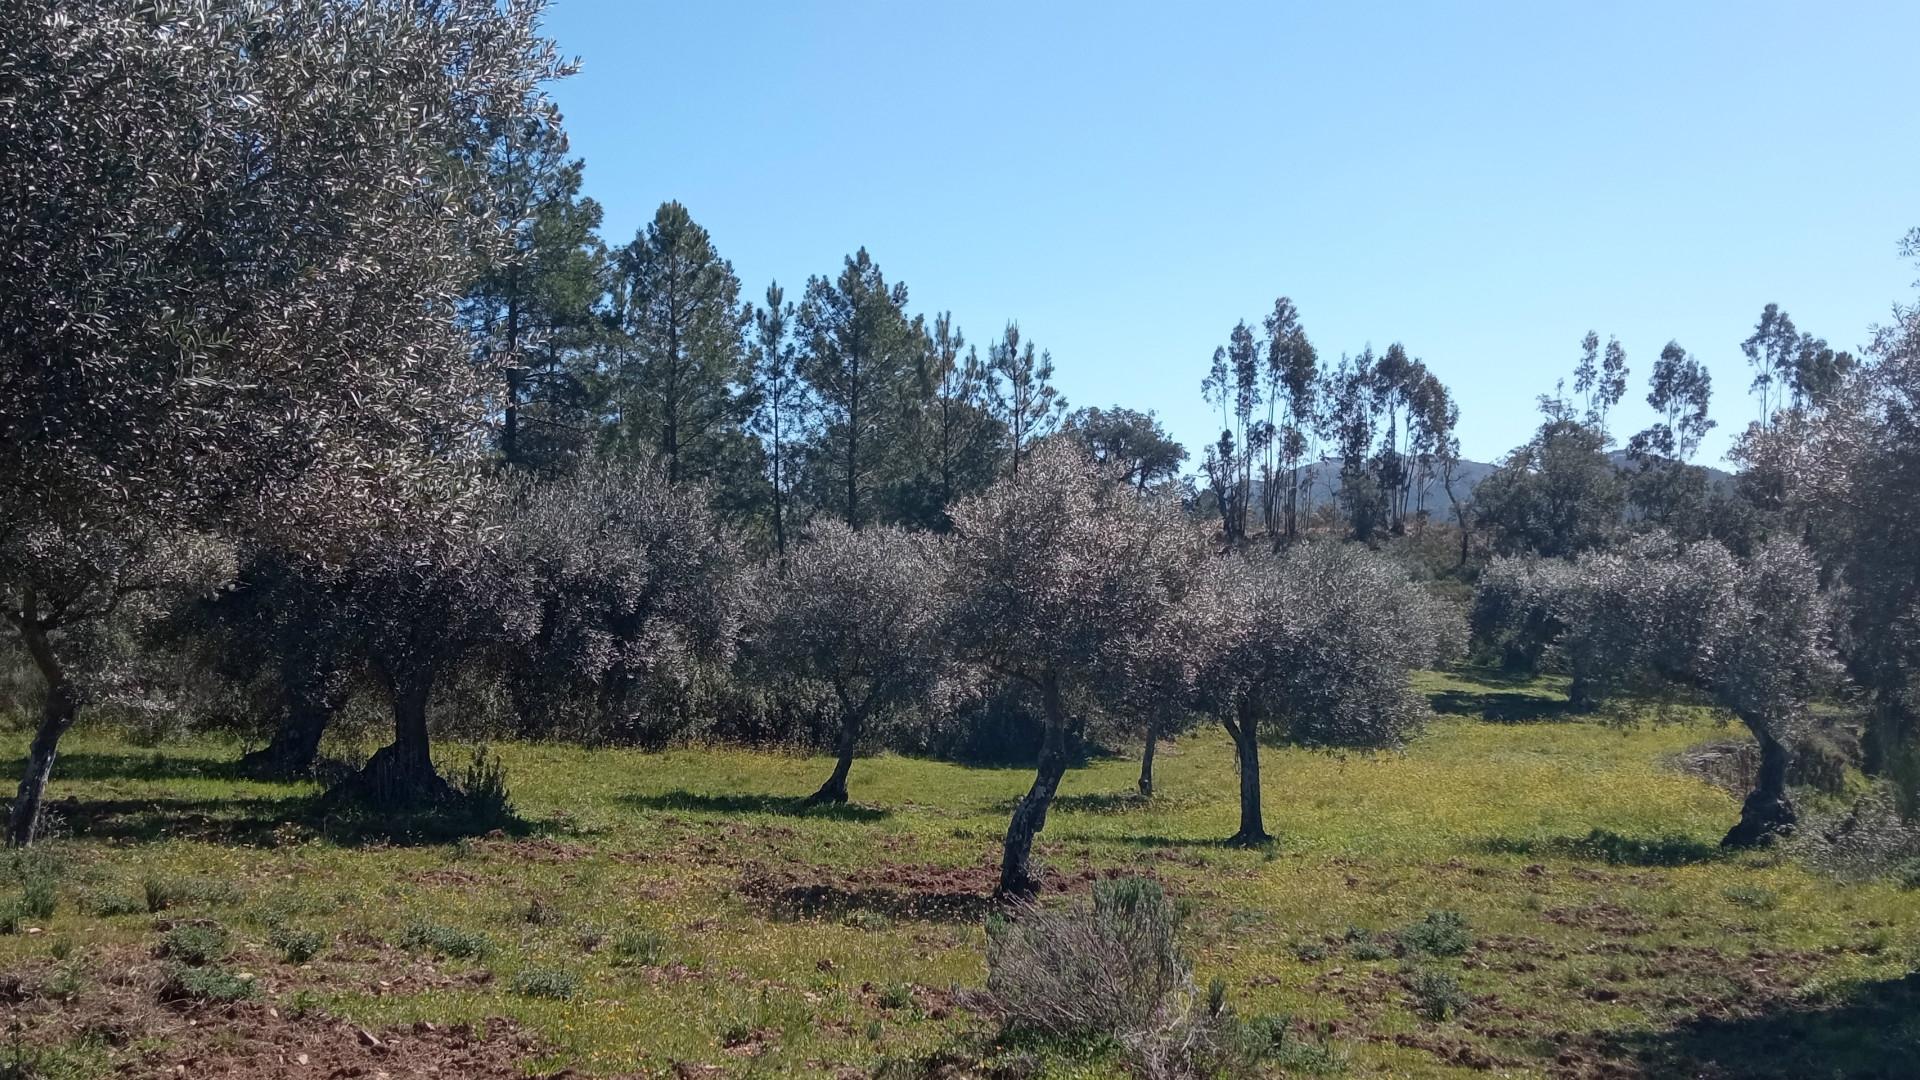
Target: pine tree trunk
(57, 714)
(1017, 879)
(1768, 813)
(1246, 742)
(1146, 761)
(835, 789)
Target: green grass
(682, 907)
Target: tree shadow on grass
(1607, 846)
(272, 822)
(697, 803)
(1116, 802)
(1154, 840)
(1869, 1032)
(1504, 707)
(92, 765)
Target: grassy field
(676, 914)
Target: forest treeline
(322, 387)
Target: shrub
(1108, 970)
(183, 983)
(106, 903)
(39, 895)
(1438, 933)
(196, 944)
(446, 940)
(552, 983)
(1437, 995)
(10, 917)
(296, 946)
(165, 893)
(482, 789)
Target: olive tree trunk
(1062, 737)
(295, 745)
(1146, 761)
(1768, 812)
(852, 719)
(57, 714)
(402, 774)
(1245, 729)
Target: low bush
(196, 944)
(106, 903)
(450, 941)
(552, 983)
(1437, 995)
(1111, 969)
(296, 946)
(1438, 933)
(183, 983)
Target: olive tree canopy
(1063, 580)
(232, 237)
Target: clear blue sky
(1484, 182)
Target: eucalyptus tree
(1666, 486)
(1601, 381)
(1061, 578)
(1557, 495)
(1292, 380)
(1233, 384)
(1316, 648)
(635, 590)
(1021, 395)
(1129, 442)
(677, 369)
(1792, 370)
(234, 255)
(859, 355)
(859, 612)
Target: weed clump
(296, 946)
(1753, 897)
(450, 941)
(106, 903)
(552, 983)
(184, 983)
(637, 946)
(1437, 995)
(163, 894)
(196, 944)
(1438, 933)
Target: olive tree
(1752, 636)
(859, 612)
(635, 588)
(1320, 642)
(1061, 578)
(236, 232)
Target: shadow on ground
(155, 766)
(1607, 846)
(1504, 706)
(1868, 1033)
(272, 822)
(696, 803)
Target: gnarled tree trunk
(402, 774)
(1768, 812)
(312, 699)
(1017, 879)
(57, 714)
(851, 721)
(1245, 729)
(1146, 761)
